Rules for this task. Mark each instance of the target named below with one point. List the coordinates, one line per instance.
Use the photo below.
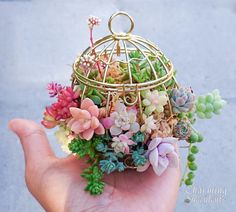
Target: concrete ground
(39, 40)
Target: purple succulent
(161, 154)
(182, 99)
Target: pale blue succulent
(107, 166)
(139, 158)
(182, 99)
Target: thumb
(33, 139)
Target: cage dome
(141, 64)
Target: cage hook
(121, 13)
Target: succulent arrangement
(115, 135)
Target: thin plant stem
(92, 44)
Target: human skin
(57, 185)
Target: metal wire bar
(140, 106)
(154, 46)
(168, 101)
(147, 42)
(125, 97)
(125, 62)
(141, 86)
(109, 59)
(84, 90)
(142, 41)
(108, 102)
(154, 51)
(100, 42)
(119, 87)
(85, 87)
(150, 63)
(129, 49)
(90, 49)
(128, 62)
(166, 69)
(129, 87)
(105, 48)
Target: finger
(33, 139)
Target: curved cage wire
(116, 50)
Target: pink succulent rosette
(122, 119)
(85, 121)
(121, 143)
(161, 154)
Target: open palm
(57, 185)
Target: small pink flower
(121, 143)
(93, 21)
(161, 154)
(87, 61)
(54, 89)
(85, 121)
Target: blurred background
(39, 40)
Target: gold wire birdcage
(119, 46)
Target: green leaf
(96, 99)
(97, 93)
(142, 64)
(135, 54)
(90, 92)
(110, 80)
(134, 68)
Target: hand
(57, 185)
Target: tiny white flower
(87, 61)
(149, 124)
(93, 21)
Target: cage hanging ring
(121, 13)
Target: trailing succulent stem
(93, 174)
